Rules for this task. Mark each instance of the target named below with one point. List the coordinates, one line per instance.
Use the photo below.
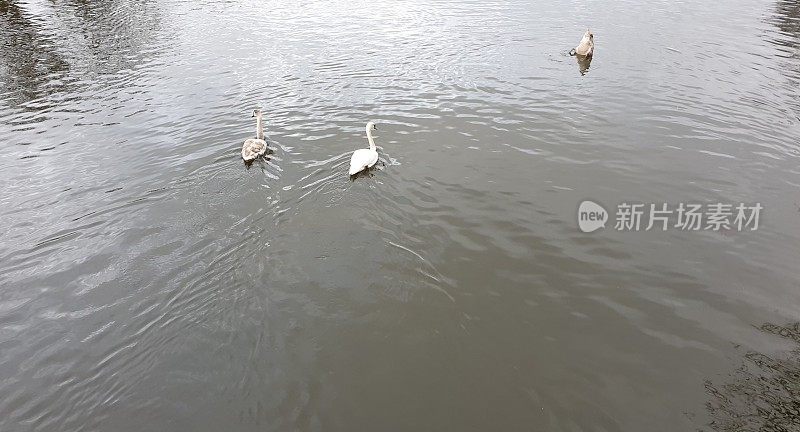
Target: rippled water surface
(150, 281)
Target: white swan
(586, 46)
(253, 148)
(365, 158)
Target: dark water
(151, 282)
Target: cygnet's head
(589, 35)
(256, 113)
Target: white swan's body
(586, 47)
(254, 148)
(364, 158)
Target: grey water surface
(149, 281)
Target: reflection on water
(787, 19)
(584, 63)
(29, 66)
(763, 394)
(49, 46)
(152, 281)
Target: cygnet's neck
(259, 128)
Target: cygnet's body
(586, 47)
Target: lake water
(151, 281)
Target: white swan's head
(371, 126)
(257, 113)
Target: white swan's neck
(369, 138)
(259, 128)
